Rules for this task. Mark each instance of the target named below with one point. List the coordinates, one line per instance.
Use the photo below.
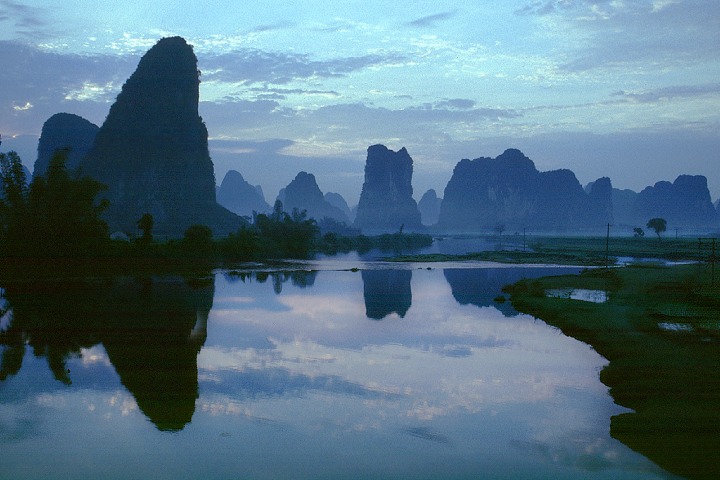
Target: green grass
(671, 379)
(583, 251)
(510, 256)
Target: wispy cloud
(279, 68)
(432, 20)
(29, 22)
(671, 92)
(652, 34)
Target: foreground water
(376, 373)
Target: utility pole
(607, 246)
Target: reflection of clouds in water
(442, 358)
(584, 451)
(422, 383)
(95, 355)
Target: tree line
(59, 215)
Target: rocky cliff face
(386, 201)
(303, 193)
(429, 206)
(64, 131)
(600, 202)
(509, 191)
(238, 196)
(623, 201)
(684, 203)
(152, 150)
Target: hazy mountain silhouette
(152, 150)
(684, 203)
(510, 191)
(238, 196)
(303, 193)
(623, 202)
(386, 292)
(386, 201)
(64, 131)
(337, 200)
(429, 206)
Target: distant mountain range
(152, 153)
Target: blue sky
(625, 89)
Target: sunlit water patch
(593, 296)
(305, 374)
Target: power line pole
(607, 246)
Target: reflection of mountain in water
(386, 292)
(480, 286)
(152, 330)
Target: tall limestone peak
(429, 206)
(510, 191)
(386, 201)
(337, 200)
(239, 196)
(303, 193)
(64, 131)
(685, 202)
(152, 150)
(600, 200)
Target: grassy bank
(660, 330)
(584, 251)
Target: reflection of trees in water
(299, 278)
(386, 292)
(151, 329)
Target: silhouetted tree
(198, 240)
(64, 216)
(13, 200)
(145, 224)
(286, 235)
(638, 232)
(657, 224)
(55, 216)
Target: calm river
(320, 372)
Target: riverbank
(659, 327)
(581, 251)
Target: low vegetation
(582, 251)
(660, 330)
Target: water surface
(379, 373)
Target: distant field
(589, 251)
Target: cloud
(432, 20)
(52, 82)
(279, 68)
(671, 92)
(456, 103)
(652, 34)
(28, 21)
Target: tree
(57, 215)
(638, 232)
(145, 224)
(13, 200)
(657, 224)
(198, 240)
